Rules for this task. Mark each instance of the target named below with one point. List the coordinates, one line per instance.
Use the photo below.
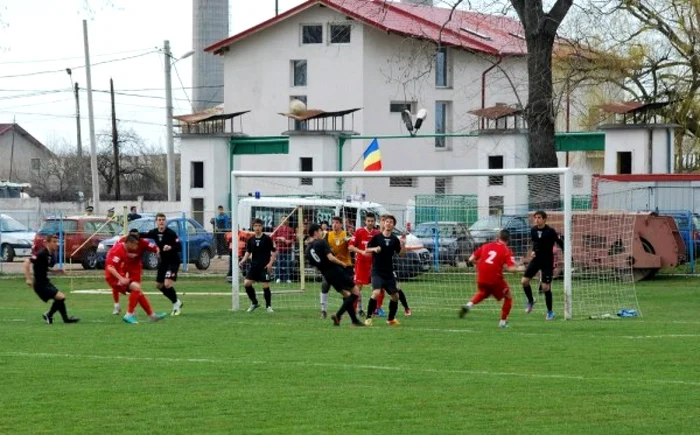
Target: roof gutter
(483, 85)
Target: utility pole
(91, 119)
(277, 7)
(77, 121)
(169, 122)
(115, 144)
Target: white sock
(469, 304)
(116, 305)
(324, 301)
(129, 314)
(503, 322)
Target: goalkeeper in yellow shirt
(338, 239)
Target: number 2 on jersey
(490, 257)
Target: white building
(381, 57)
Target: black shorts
(258, 274)
(388, 284)
(546, 267)
(45, 292)
(339, 279)
(167, 271)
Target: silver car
(16, 240)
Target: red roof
(490, 34)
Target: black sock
(548, 299)
(325, 287)
(54, 307)
(371, 306)
(393, 308)
(251, 294)
(169, 293)
(268, 297)
(402, 299)
(349, 307)
(528, 294)
(61, 308)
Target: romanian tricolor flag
(372, 157)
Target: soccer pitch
(215, 371)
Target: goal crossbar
(566, 194)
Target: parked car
(15, 239)
(689, 228)
(454, 242)
(81, 236)
(486, 229)
(199, 242)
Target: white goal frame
(566, 194)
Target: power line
(15, 62)
(63, 70)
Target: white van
(316, 209)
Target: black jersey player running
(43, 261)
(383, 246)
(543, 239)
(169, 248)
(320, 255)
(261, 250)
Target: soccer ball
(297, 107)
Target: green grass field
(216, 371)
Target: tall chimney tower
(210, 25)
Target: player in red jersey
(363, 260)
(135, 264)
(117, 275)
(490, 260)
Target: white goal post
(566, 176)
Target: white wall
(627, 138)
(514, 190)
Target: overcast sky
(46, 35)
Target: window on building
(312, 34)
(403, 182)
(443, 185)
(442, 116)
(495, 205)
(36, 164)
(299, 72)
(198, 210)
(197, 175)
(441, 68)
(400, 106)
(495, 162)
(306, 164)
(299, 125)
(340, 33)
(624, 162)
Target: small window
(299, 70)
(402, 182)
(495, 205)
(443, 185)
(400, 106)
(624, 162)
(441, 118)
(197, 175)
(495, 162)
(197, 211)
(36, 164)
(306, 164)
(340, 33)
(312, 34)
(578, 181)
(441, 68)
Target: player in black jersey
(320, 255)
(169, 248)
(383, 246)
(543, 239)
(261, 250)
(43, 261)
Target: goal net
(446, 215)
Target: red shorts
(497, 290)
(363, 273)
(135, 274)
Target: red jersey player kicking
(135, 264)
(363, 259)
(117, 273)
(490, 260)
